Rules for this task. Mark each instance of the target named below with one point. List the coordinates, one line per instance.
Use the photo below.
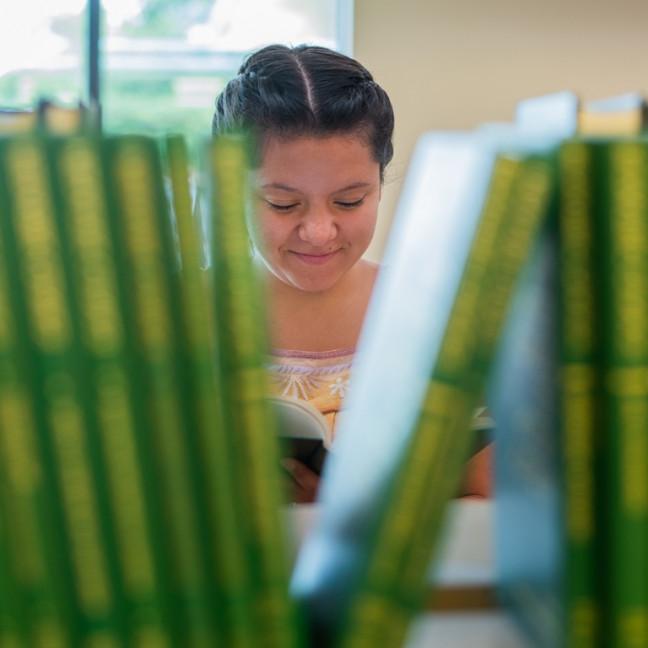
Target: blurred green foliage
(167, 17)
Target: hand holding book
(303, 429)
(303, 481)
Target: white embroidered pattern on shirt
(298, 385)
(339, 387)
(303, 381)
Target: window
(42, 47)
(162, 61)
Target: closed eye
(349, 204)
(282, 208)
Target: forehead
(310, 163)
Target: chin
(315, 283)
(316, 279)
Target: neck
(321, 320)
(282, 293)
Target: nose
(317, 227)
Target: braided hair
(307, 91)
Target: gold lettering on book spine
(22, 470)
(143, 242)
(578, 421)
(629, 345)
(582, 623)
(377, 620)
(137, 188)
(632, 417)
(576, 232)
(79, 505)
(120, 448)
(16, 427)
(629, 244)
(460, 339)
(530, 196)
(229, 164)
(34, 224)
(436, 413)
(577, 316)
(9, 638)
(632, 627)
(459, 346)
(97, 275)
(244, 332)
(43, 275)
(89, 224)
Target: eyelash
(350, 205)
(281, 208)
(339, 203)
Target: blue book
(427, 250)
(523, 399)
(546, 550)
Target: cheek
(270, 232)
(362, 228)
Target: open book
(304, 429)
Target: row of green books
(571, 395)
(140, 484)
(568, 393)
(140, 495)
(130, 513)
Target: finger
(287, 465)
(305, 477)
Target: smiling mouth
(315, 259)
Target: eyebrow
(278, 185)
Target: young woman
(324, 128)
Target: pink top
(321, 377)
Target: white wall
(457, 63)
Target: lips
(315, 259)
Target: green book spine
(240, 320)
(150, 263)
(101, 333)
(13, 630)
(376, 611)
(37, 220)
(624, 294)
(579, 393)
(23, 493)
(93, 473)
(231, 577)
(55, 396)
(393, 583)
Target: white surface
(466, 552)
(465, 630)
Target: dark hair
(307, 90)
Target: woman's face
(317, 203)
